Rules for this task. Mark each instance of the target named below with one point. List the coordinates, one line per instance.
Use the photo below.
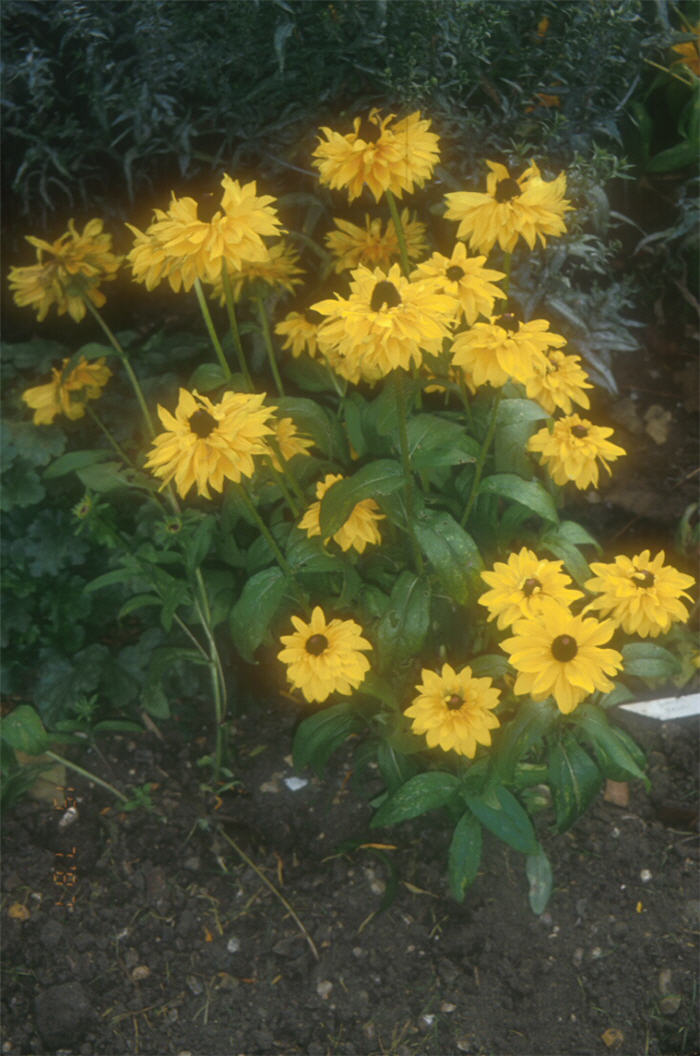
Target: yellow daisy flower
(279, 268)
(689, 51)
(372, 246)
(206, 443)
(68, 270)
(384, 325)
(68, 391)
(640, 594)
(454, 710)
(572, 449)
(324, 657)
(180, 247)
(527, 207)
(382, 153)
(504, 349)
(520, 584)
(557, 382)
(561, 655)
(359, 530)
(464, 278)
(289, 441)
(299, 330)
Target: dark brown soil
(176, 944)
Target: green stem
(279, 477)
(507, 257)
(267, 534)
(398, 227)
(406, 461)
(272, 441)
(267, 337)
(485, 447)
(90, 776)
(117, 447)
(208, 322)
(127, 365)
(218, 682)
(233, 323)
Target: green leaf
(574, 778)
(680, 156)
(517, 410)
(529, 493)
(74, 460)
(512, 742)
(649, 661)
(371, 482)
(450, 550)
(435, 441)
(402, 629)
(395, 767)
(464, 855)
(515, 424)
(420, 793)
(618, 756)
(198, 545)
(255, 609)
(539, 873)
(208, 376)
(23, 729)
(103, 477)
(139, 601)
(94, 350)
(108, 579)
(313, 420)
(308, 555)
(318, 736)
(499, 811)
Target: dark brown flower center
(202, 423)
(384, 293)
(508, 321)
(579, 430)
(507, 189)
(316, 644)
(313, 316)
(369, 131)
(564, 648)
(530, 586)
(454, 702)
(644, 579)
(454, 273)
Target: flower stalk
(233, 323)
(406, 462)
(267, 338)
(209, 323)
(398, 227)
(483, 454)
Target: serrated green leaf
(23, 729)
(649, 661)
(464, 855)
(418, 795)
(499, 811)
(528, 493)
(255, 609)
(371, 482)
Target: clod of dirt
(62, 1015)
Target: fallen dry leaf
(617, 792)
(612, 1037)
(658, 422)
(18, 912)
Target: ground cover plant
(362, 493)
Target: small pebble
(141, 971)
(233, 945)
(645, 876)
(323, 988)
(447, 1006)
(295, 783)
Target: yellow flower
(369, 245)
(384, 325)
(76, 264)
(180, 247)
(299, 329)
(640, 594)
(456, 375)
(558, 654)
(520, 584)
(572, 449)
(289, 441)
(464, 278)
(504, 349)
(527, 207)
(558, 381)
(279, 268)
(689, 51)
(380, 152)
(454, 710)
(324, 658)
(207, 443)
(359, 530)
(68, 391)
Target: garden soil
(272, 919)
